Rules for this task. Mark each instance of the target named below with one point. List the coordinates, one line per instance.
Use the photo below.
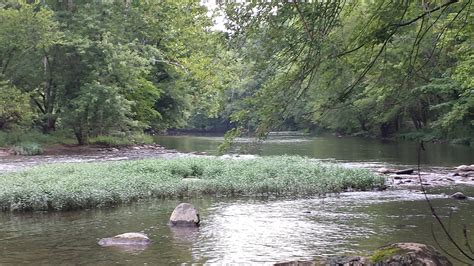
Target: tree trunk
(49, 97)
(70, 5)
(81, 138)
(384, 130)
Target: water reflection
(328, 147)
(244, 230)
(129, 249)
(184, 235)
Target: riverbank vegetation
(89, 185)
(381, 68)
(93, 69)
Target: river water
(252, 230)
(350, 149)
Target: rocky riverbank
(435, 176)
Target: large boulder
(185, 215)
(126, 239)
(409, 254)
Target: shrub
(10, 138)
(27, 148)
(126, 140)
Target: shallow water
(353, 152)
(252, 230)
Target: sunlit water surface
(254, 230)
(234, 230)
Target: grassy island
(88, 185)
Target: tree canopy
(371, 67)
(378, 68)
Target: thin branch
(38, 104)
(439, 37)
(172, 63)
(349, 88)
(443, 249)
(450, 2)
(433, 211)
(310, 33)
(363, 30)
(468, 245)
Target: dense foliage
(106, 67)
(379, 68)
(73, 186)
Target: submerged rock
(465, 168)
(185, 215)
(409, 254)
(185, 235)
(126, 239)
(466, 174)
(459, 196)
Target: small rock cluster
(184, 215)
(465, 171)
(135, 147)
(463, 174)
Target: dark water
(251, 230)
(328, 147)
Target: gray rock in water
(384, 170)
(459, 196)
(409, 254)
(465, 168)
(126, 239)
(185, 215)
(405, 171)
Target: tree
(27, 37)
(358, 66)
(14, 107)
(107, 67)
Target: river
(245, 229)
(349, 149)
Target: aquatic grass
(88, 185)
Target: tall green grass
(88, 185)
(15, 137)
(126, 140)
